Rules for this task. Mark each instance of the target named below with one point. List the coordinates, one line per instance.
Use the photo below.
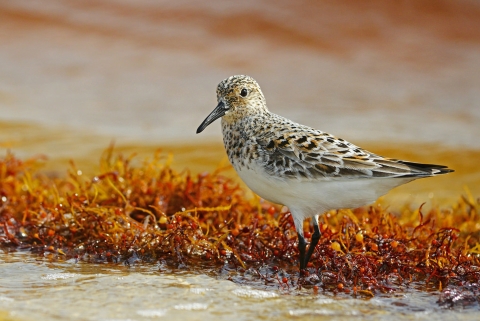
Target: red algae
(147, 212)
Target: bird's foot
(304, 272)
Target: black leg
(301, 248)
(313, 243)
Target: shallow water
(32, 286)
(77, 75)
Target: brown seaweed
(147, 212)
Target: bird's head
(237, 97)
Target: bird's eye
(244, 92)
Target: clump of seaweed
(149, 213)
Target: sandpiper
(305, 169)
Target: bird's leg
(302, 244)
(314, 241)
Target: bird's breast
(240, 145)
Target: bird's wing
(311, 154)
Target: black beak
(218, 112)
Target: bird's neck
(244, 122)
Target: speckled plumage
(305, 169)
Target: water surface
(32, 286)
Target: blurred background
(401, 78)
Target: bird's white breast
(313, 197)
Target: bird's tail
(427, 169)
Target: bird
(307, 170)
